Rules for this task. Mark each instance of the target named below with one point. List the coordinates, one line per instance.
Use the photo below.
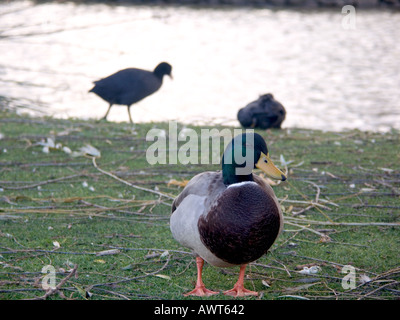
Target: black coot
(131, 85)
(263, 113)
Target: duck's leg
(129, 112)
(105, 117)
(200, 289)
(239, 289)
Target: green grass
(51, 199)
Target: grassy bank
(103, 223)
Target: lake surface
(327, 77)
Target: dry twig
(128, 183)
(58, 287)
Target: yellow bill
(267, 166)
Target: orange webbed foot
(240, 291)
(201, 291)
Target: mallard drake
(263, 113)
(232, 217)
(128, 86)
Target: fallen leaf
(325, 238)
(174, 182)
(90, 150)
(107, 252)
(302, 266)
(289, 210)
(87, 150)
(367, 189)
(331, 175)
(163, 276)
(50, 143)
(164, 254)
(99, 261)
(66, 150)
(265, 283)
(387, 170)
(364, 278)
(311, 270)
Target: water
(327, 77)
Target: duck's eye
(265, 160)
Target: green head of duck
(245, 153)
